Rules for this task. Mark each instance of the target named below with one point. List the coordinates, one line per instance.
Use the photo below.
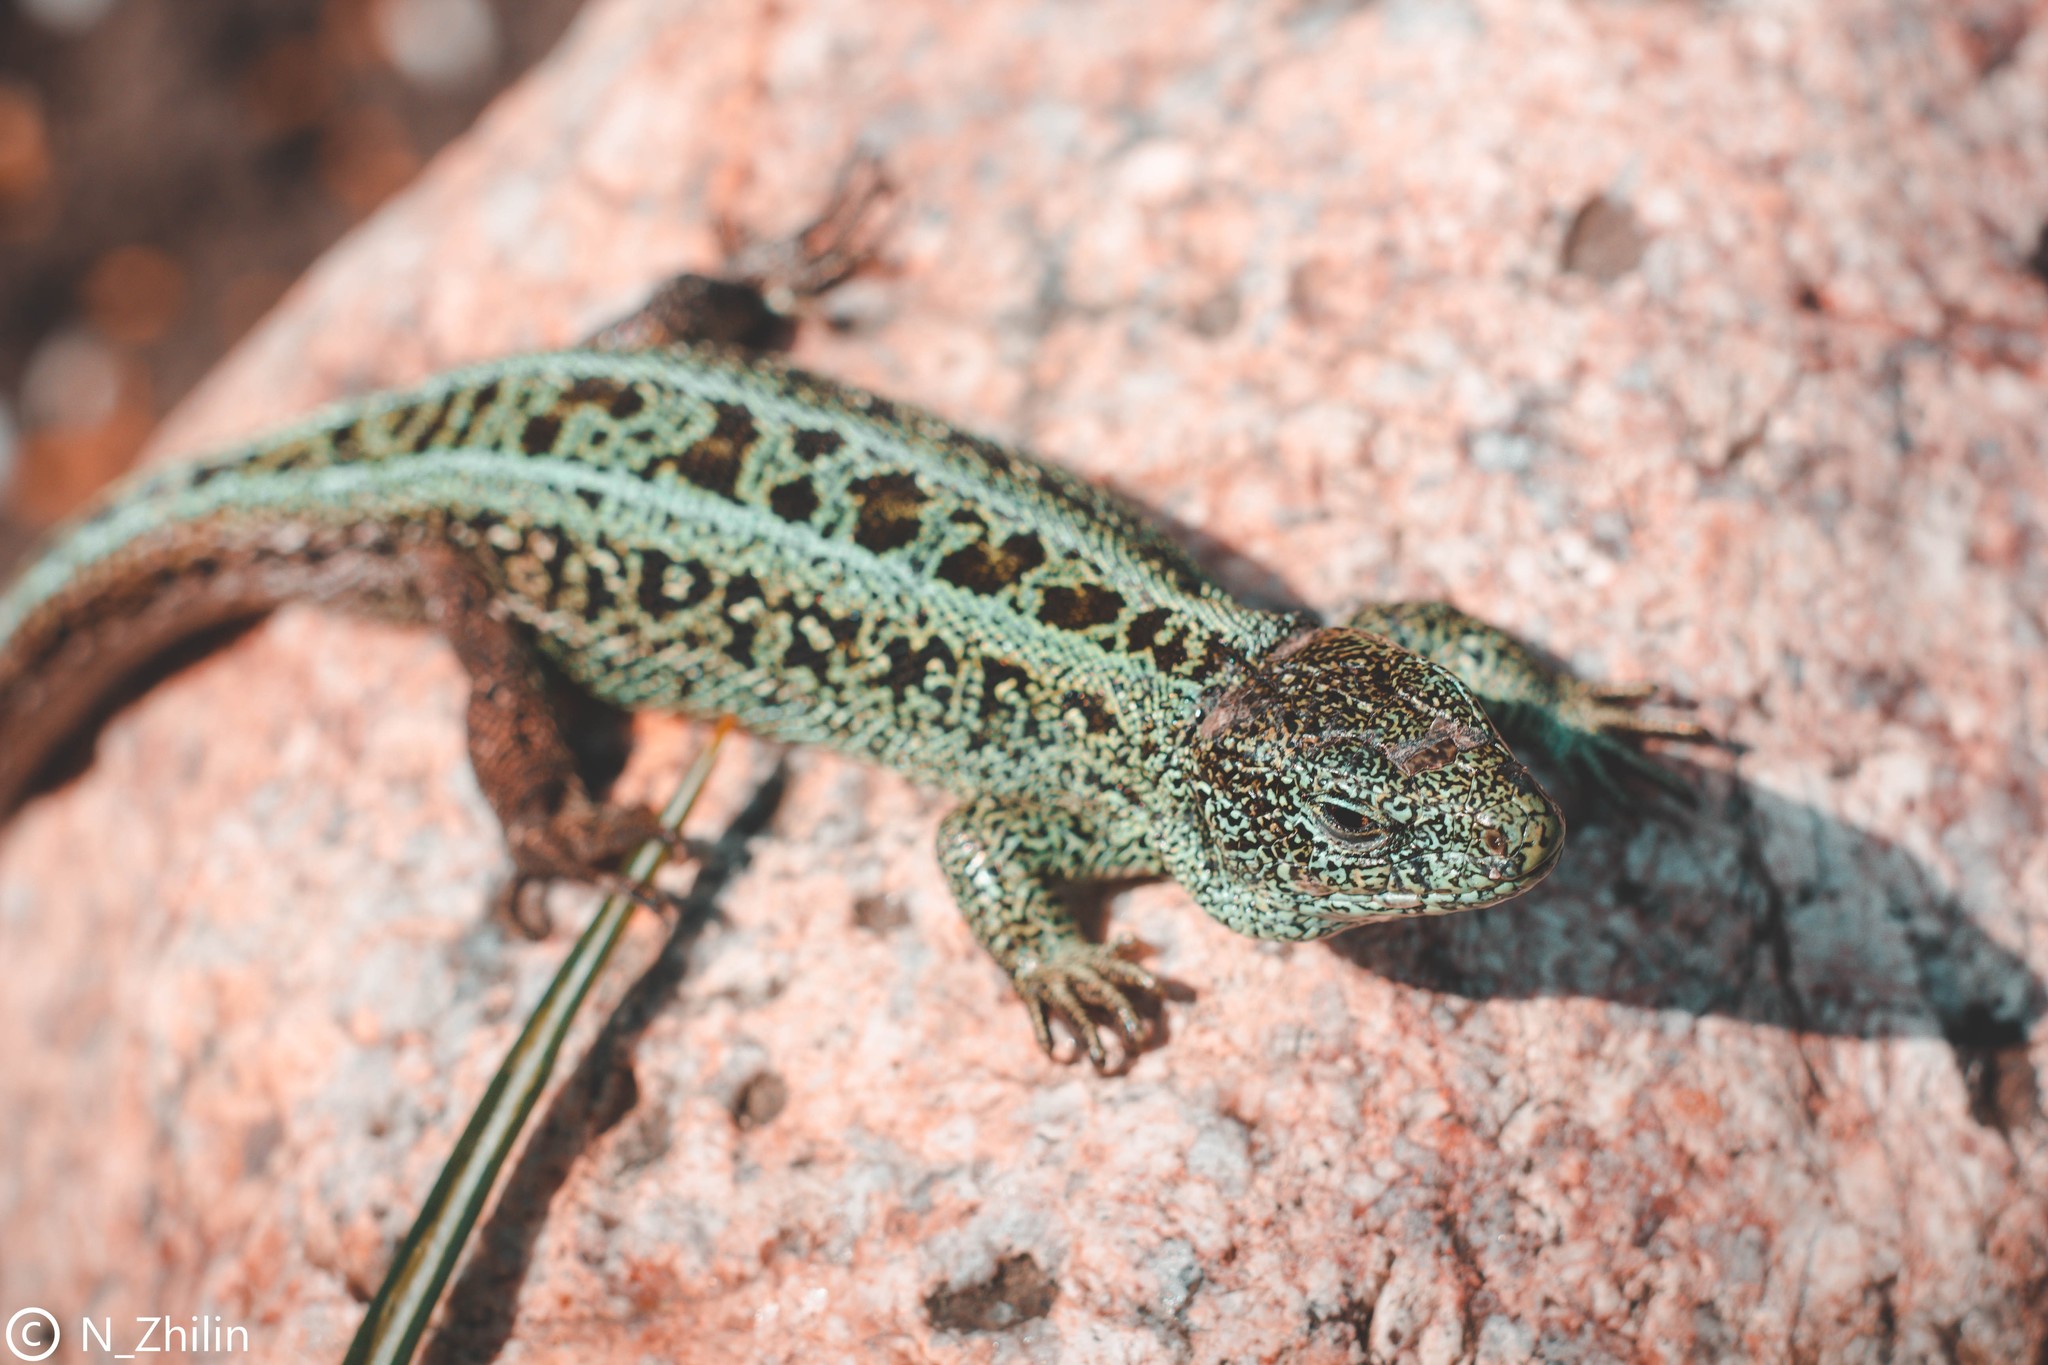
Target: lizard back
(694, 530)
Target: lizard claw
(1083, 979)
(528, 915)
(585, 842)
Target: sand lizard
(675, 520)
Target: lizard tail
(118, 594)
(189, 548)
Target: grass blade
(397, 1317)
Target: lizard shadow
(1754, 907)
(478, 1316)
(1244, 577)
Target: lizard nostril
(1496, 842)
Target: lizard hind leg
(754, 305)
(554, 830)
(827, 251)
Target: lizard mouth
(1481, 883)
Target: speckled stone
(1698, 343)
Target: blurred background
(168, 167)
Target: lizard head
(1347, 780)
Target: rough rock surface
(1698, 343)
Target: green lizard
(677, 521)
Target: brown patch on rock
(879, 914)
(1605, 241)
(1016, 1293)
(759, 1101)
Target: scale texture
(1697, 344)
(703, 531)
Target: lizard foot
(827, 251)
(518, 905)
(1081, 977)
(766, 284)
(1596, 730)
(583, 842)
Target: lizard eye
(1348, 824)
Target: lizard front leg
(553, 829)
(1003, 857)
(1585, 727)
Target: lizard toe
(1118, 967)
(1078, 985)
(1097, 990)
(1041, 1023)
(1623, 693)
(519, 905)
(1066, 1002)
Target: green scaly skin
(703, 531)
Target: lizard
(673, 517)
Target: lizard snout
(1522, 840)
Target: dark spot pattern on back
(1081, 607)
(1096, 716)
(595, 390)
(1170, 655)
(742, 587)
(988, 569)
(818, 658)
(598, 597)
(347, 443)
(714, 462)
(815, 445)
(540, 434)
(651, 593)
(1144, 630)
(794, 501)
(889, 507)
(1153, 632)
(421, 427)
(742, 623)
(988, 452)
(1003, 686)
(714, 539)
(701, 584)
(928, 667)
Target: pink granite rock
(1697, 343)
